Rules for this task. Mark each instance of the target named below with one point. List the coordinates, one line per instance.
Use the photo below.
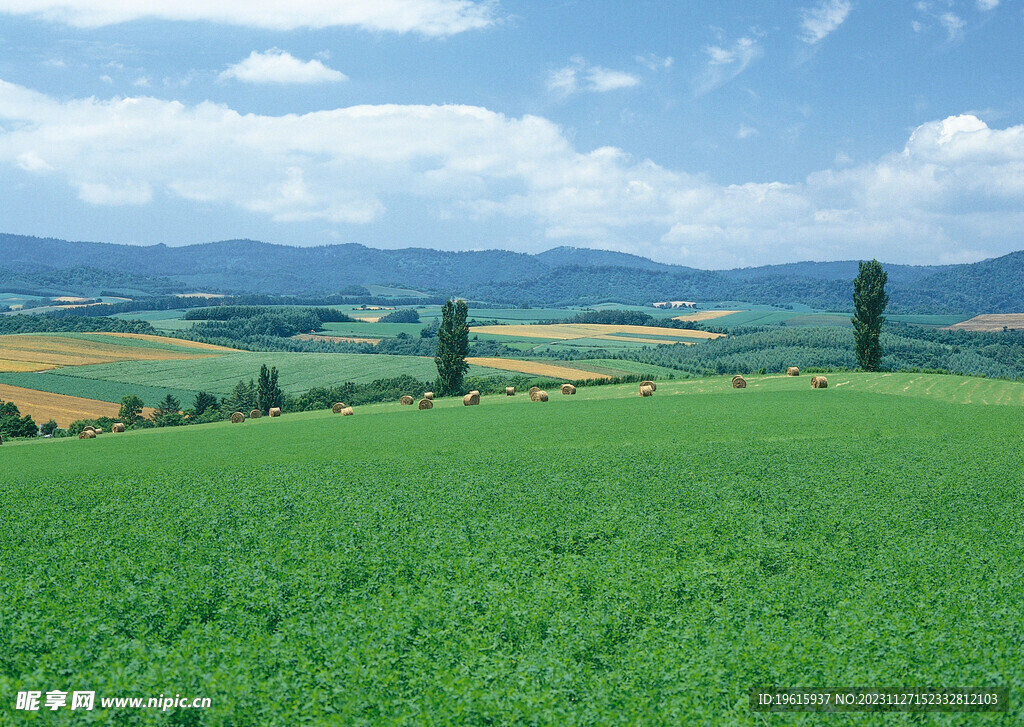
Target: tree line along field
(597, 559)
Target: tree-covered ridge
(564, 276)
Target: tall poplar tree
(452, 348)
(869, 302)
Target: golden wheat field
(706, 315)
(536, 368)
(569, 331)
(38, 352)
(991, 322)
(43, 406)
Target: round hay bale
(428, 395)
(406, 400)
(471, 399)
(474, 392)
(646, 391)
(538, 395)
(338, 407)
(88, 428)
(347, 412)
(654, 386)
(255, 414)
(792, 371)
(237, 418)
(87, 434)
(117, 428)
(275, 411)
(426, 404)
(510, 391)
(533, 390)
(738, 382)
(568, 389)
(819, 382)
(98, 430)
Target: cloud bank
(427, 17)
(955, 192)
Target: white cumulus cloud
(955, 189)
(427, 17)
(278, 66)
(820, 21)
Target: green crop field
(298, 371)
(598, 559)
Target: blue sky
(711, 134)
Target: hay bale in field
(646, 391)
(510, 391)
(338, 407)
(428, 395)
(275, 411)
(819, 382)
(471, 399)
(237, 418)
(98, 430)
(406, 400)
(87, 434)
(538, 395)
(654, 386)
(347, 411)
(738, 382)
(88, 428)
(474, 392)
(533, 390)
(792, 371)
(426, 404)
(255, 414)
(117, 428)
(568, 389)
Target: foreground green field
(598, 559)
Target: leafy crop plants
(601, 559)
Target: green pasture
(297, 372)
(596, 559)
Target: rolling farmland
(298, 371)
(597, 559)
(570, 331)
(47, 351)
(43, 405)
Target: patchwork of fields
(601, 558)
(597, 331)
(43, 405)
(40, 351)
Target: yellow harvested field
(706, 315)
(991, 322)
(44, 351)
(569, 331)
(43, 406)
(366, 319)
(9, 366)
(536, 368)
(174, 341)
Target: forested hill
(563, 275)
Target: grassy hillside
(298, 371)
(598, 559)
